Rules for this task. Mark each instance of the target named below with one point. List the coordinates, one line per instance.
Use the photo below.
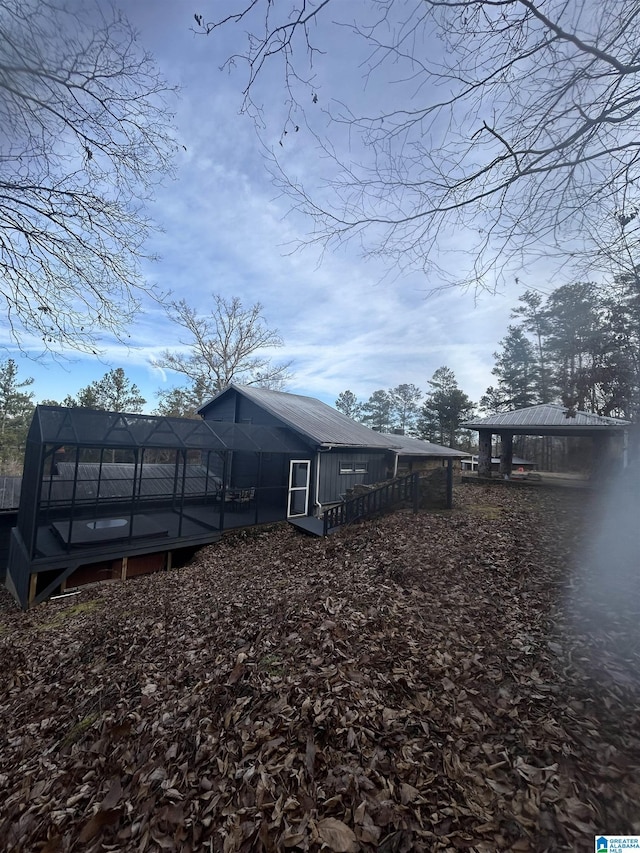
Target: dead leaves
(336, 836)
(408, 684)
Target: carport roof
(547, 419)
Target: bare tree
(227, 345)
(512, 124)
(85, 136)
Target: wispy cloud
(344, 322)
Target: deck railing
(401, 490)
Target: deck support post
(33, 584)
(123, 569)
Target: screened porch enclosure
(100, 485)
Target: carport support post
(484, 453)
(506, 453)
(602, 463)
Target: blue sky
(345, 322)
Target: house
(470, 463)
(342, 453)
(339, 452)
(106, 495)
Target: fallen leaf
(337, 835)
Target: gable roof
(549, 417)
(311, 418)
(408, 445)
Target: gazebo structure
(546, 419)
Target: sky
(345, 321)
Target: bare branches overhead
(85, 136)
(503, 128)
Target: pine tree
(404, 406)
(446, 407)
(535, 320)
(376, 412)
(16, 410)
(113, 393)
(623, 318)
(348, 404)
(517, 370)
(577, 342)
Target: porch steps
(309, 524)
(386, 496)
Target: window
(349, 466)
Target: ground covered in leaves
(439, 682)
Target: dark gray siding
(233, 407)
(246, 469)
(222, 410)
(333, 484)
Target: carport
(607, 434)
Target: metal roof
(411, 446)
(122, 480)
(547, 418)
(312, 418)
(10, 488)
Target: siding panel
(334, 485)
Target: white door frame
(305, 488)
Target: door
(299, 477)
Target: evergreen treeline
(436, 416)
(579, 346)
